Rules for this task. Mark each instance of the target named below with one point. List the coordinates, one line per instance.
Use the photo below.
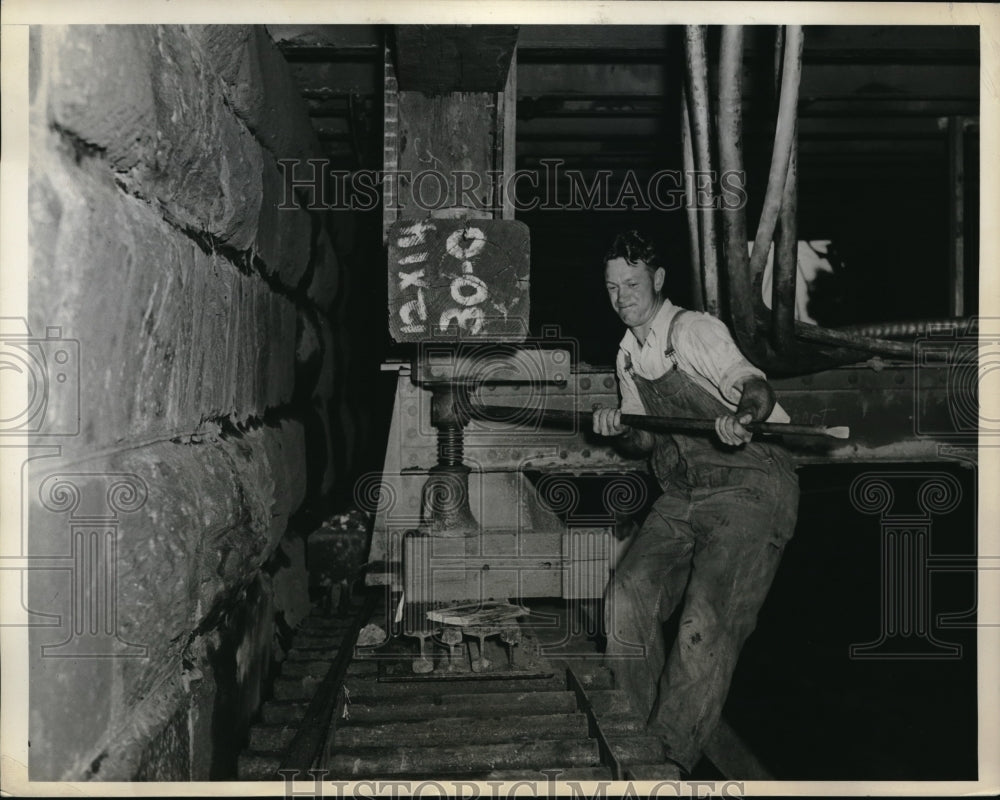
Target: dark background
(810, 711)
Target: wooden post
(451, 97)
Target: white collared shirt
(703, 350)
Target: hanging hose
(784, 135)
(697, 75)
(697, 287)
(731, 162)
(786, 261)
(786, 254)
(815, 348)
(880, 347)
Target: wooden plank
(452, 280)
(337, 79)
(471, 614)
(500, 703)
(509, 728)
(862, 106)
(578, 774)
(327, 42)
(597, 128)
(620, 107)
(536, 40)
(462, 759)
(441, 689)
(898, 80)
(570, 80)
(446, 136)
(496, 565)
(507, 120)
(653, 772)
(733, 758)
(437, 59)
(892, 41)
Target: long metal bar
(306, 747)
(492, 413)
(909, 328)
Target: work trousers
(713, 549)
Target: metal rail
(307, 745)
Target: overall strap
(670, 330)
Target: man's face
(633, 290)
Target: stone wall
(200, 406)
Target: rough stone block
(101, 89)
(168, 335)
(284, 235)
(323, 405)
(307, 344)
(260, 88)
(280, 118)
(145, 97)
(326, 273)
(185, 526)
(62, 743)
(285, 448)
(167, 755)
(226, 49)
(291, 582)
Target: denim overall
(712, 541)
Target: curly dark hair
(633, 247)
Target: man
(712, 541)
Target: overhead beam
(328, 42)
(437, 59)
(331, 81)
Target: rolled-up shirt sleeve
(706, 344)
(630, 401)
